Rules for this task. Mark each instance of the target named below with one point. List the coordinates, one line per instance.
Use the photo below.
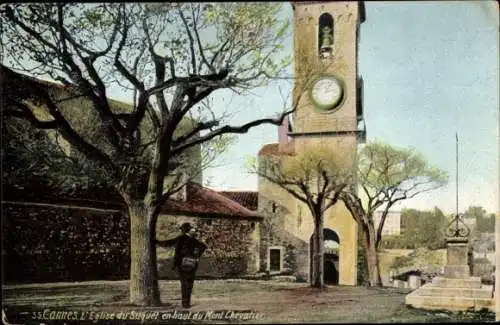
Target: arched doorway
(330, 256)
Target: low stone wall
(48, 243)
(232, 245)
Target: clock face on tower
(326, 92)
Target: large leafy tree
(315, 177)
(386, 175)
(170, 59)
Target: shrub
(401, 261)
(396, 242)
(483, 268)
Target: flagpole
(456, 176)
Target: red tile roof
(248, 199)
(203, 201)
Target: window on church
(274, 260)
(274, 207)
(325, 35)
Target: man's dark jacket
(185, 246)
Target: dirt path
(273, 302)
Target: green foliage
(243, 39)
(247, 26)
(483, 268)
(421, 229)
(385, 176)
(485, 223)
(434, 259)
(314, 175)
(401, 261)
(471, 315)
(396, 173)
(29, 155)
(395, 242)
(446, 316)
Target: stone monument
(456, 289)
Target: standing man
(188, 251)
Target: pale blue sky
(430, 69)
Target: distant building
(392, 224)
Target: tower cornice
(361, 4)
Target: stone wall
(47, 243)
(232, 245)
(278, 221)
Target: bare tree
(168, 58)
(316, 177)
(386, 175)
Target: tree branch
(200, 127)
(191, 41)
(231, 129)
(200, 47)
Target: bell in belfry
(326, 42)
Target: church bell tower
(326, 39)
(328, 92)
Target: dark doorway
(331, 271)
(330, 257)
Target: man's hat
(186, 226)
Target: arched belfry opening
(325, 36)
(331, 265)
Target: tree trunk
(143, 283)
(317, 280)
(372, 259)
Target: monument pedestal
(457, 290)
(452, 294)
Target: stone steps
(454, 303)
(471, 282)
(484, 292)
